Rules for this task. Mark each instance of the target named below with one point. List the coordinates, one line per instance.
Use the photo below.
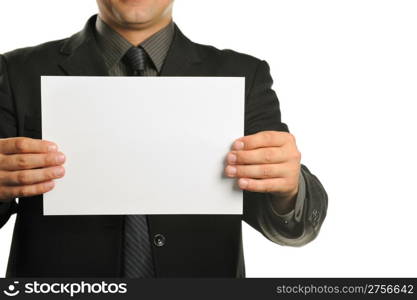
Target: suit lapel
(83, 57)
(182, 57)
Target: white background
(346, 76)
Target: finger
(262, 139)
(263, 185)
(27, 190)
(267, 155)
(258, 171)
(26, 145)
(34, 176)
(30, 161)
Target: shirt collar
(113, 46)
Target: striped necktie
(136, 59)
(138, 261)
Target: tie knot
(136, 59)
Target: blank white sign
(143, 145)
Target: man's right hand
(28, 167)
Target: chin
(134, 17)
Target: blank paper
(143, 145)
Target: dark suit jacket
(90, 246)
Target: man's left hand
(267, 162)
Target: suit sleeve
(8, 128)
(262, 112)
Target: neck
(136, 34)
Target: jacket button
(159, 240)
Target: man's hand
(267, 162)
(28, 167)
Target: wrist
(283, 204)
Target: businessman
(283, 200)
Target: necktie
(136, 59)
(137, 247)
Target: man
(282, 199)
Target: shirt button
(159, 240)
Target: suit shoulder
(30, 54)
(228, 56)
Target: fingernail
(60, 158)
(52, 148)
(231, 171)
(239, 145)
(243, 183)
(231, 158)
(59, 171)
(49, 184)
